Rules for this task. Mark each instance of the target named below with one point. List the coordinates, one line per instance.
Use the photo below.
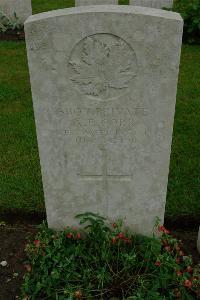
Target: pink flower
(37, 243)
(163, 229)
(121, 235)
(189, 269)
(157, 263)
(114, 240)
(168, 248)
(78, 236)
(188, 283)
(69, 235)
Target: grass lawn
(20, 177)
(45, 5)
(183, 196)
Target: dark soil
(12, 36)
(12, 245)
(189, 239)
(186, 229)
(13, 239)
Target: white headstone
(104, 81)
(22, 8)
(198, 241)
(94, 2)
(153, 3)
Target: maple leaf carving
(101, 67)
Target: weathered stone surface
(104, 82)
(94, 2)
(22, 8)
(198, 241)
(153, 3)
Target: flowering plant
(7, 23)
(103, 261)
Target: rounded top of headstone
(121, 9)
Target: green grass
(20, 180)
(184, 180)
(45, 5)
(20, 177)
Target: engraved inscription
(39, 38)
(102, 66)
(100, 124)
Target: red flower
(121, 235)
(168, 248)
(189, 269)
(178, 273)
(114, 240)
(69, 235)
(36, 243)
(78, 236)
(188, 283)
(163, 229)
(157, 263)
(114, 225)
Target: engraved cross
(105, 176)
